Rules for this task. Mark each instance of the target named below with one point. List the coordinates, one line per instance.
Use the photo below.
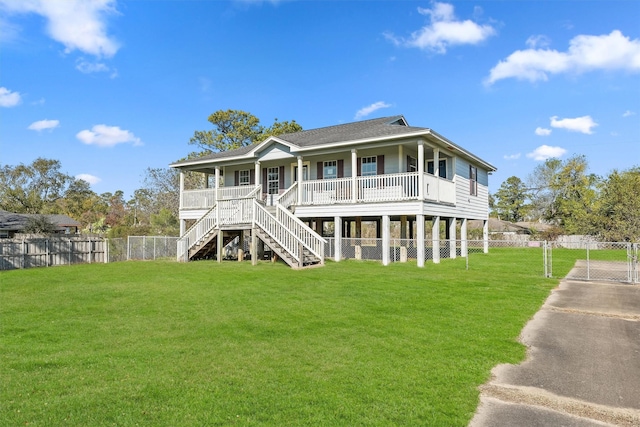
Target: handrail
(310, 239)
(289, 197)
(278, 232)
(199, 229)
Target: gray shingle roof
(374, 128)
(16, 222)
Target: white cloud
(91, 179)
(611, 51)
(9, 98)
(365, 111)
(538, 41)
(628, 113)
(88, 67)
(582, 124)
(543, 131)
(41, 125)
(107, 136)
(77, 24)
(545, 152)
(512, 156)
(443, 31)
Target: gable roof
(343, 134)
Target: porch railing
(278, 232)
(390, 187)
(289, 197)
(326, 191)
(196, 232)
(206, 198)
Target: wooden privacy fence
(51, 251)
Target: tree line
(565, 195)
(42, 187)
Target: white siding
(468, 206)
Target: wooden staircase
(288, 237)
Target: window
(305, 173)
(244, 178)
(473, 180)
(273, 180)
(442, 168)
(412, 164)
(369, 166)
(330, 169)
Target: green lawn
(352, 343)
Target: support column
(300, 177)
(337, 234)
(319, 226)
(403, 238)
(435, 239)
(421, 188)
(183, 226)
(464, 247)
(354, 175)
(258, 177)
(485, 235)
(181, 188)
(217, 183)
(386, 239)
(241, 247)
(420, 239)
(220, 245)
(452, 238)
(436, 171)
(254, 246)
(358, 245)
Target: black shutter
(359, 167)
(408, 163)
(264, 181)
(281, 177)
(320, 170)
(340, 168)
(236, 178)
(380, 165)
(252, 176)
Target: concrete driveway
(583, 364)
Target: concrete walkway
(583, 364)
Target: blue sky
(110, 88)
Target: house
(285, 190)
(14, 223)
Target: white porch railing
(206, 198)
(439, 189)
(386, 188)
(310, 239)
(326, 191)
(233, 212)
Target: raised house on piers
(284, 191)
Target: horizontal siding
(468, 206)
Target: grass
(353, 343)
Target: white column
(452, 238)
(181, 187)
(354, 175)
(217, 183)
(436, 171)
(420, 239)
(485, 235)
(435, 239)
(183, 226)
(401, 159)
(300, 176)
(337, 234)
(464, 251)
(386, 239)
(421, 172)
(258, 176)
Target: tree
(39, 224)
(510, 200)
(33, 188)
(542, 195)
(236, 128)
(575, 189)
(165, 223)
(618, 213)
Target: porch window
(273, 180)
(369, 166)
(412, 164)
(473, 180)
(330, 169)
(244, 177)
(442, 168)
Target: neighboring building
(285, 189)
(14, 223)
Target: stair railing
(289, 197)
(310, 239)
(196, 232)
(284, 237)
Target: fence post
(90, 252)
(46, 252)
(588, 267)
(105, 242)
(23, 253)
(128, 249)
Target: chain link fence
(142, 248)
